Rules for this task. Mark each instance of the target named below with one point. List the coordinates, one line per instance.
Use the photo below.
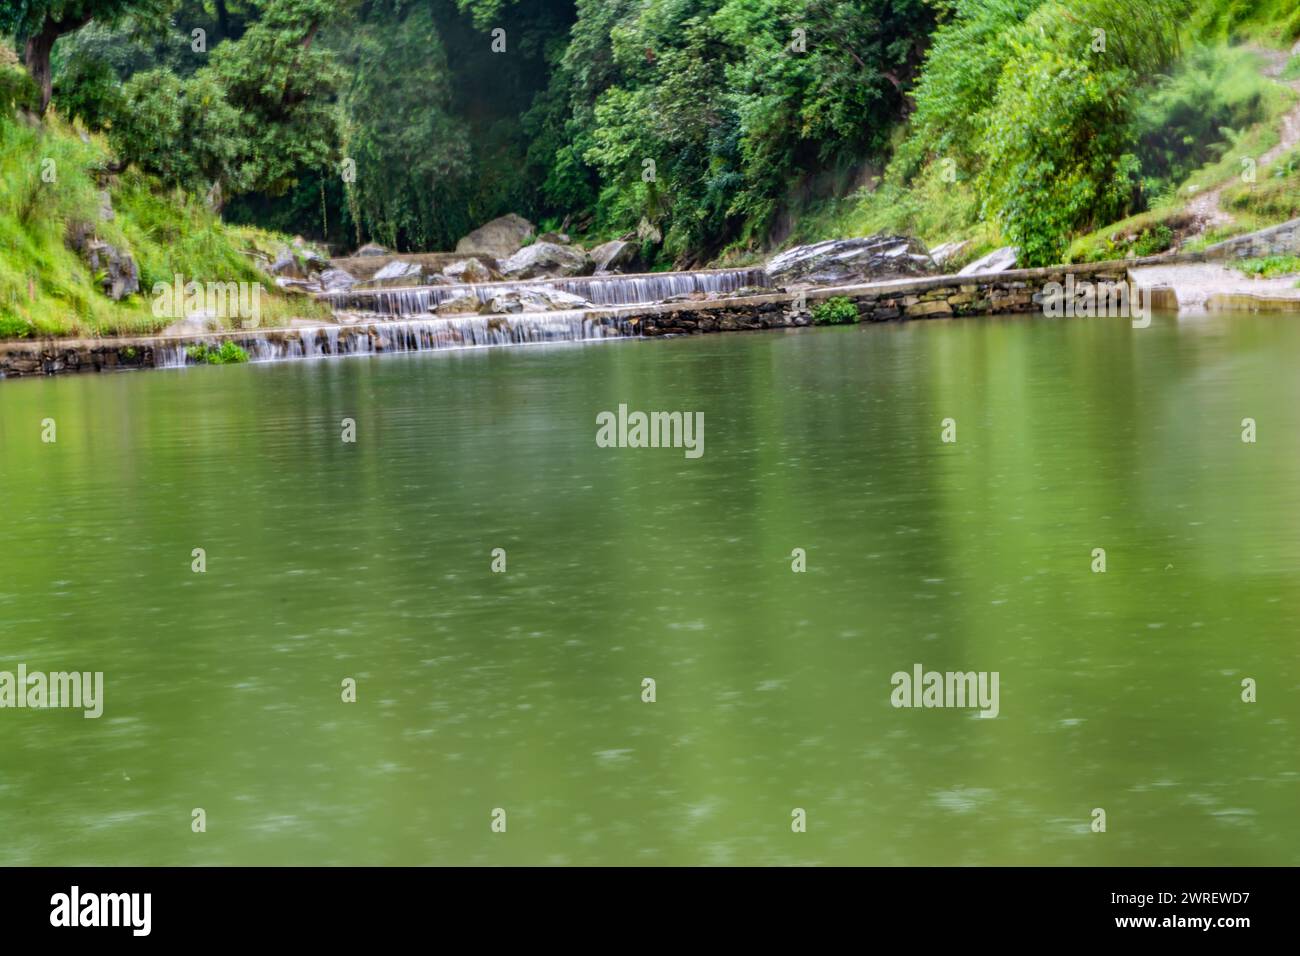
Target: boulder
(647, 231)
(398, 272)
(559, 238)
(313, 260)
(371, 249)
(850, 261)
(292, 286)
(460, 305)
(532, 300)
(337, 280)
(286, 264)
(999, 260)
(946, 252)
(116, 269)
(500, 238)
(469, 271)
(547, 259)
(617, 255)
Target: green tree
(37, 24)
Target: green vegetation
(714, 129)
(1269, 266)
(49, 178)
(1275, 197)
(228, 353)
(835, 311)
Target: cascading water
(399, 320)
(406, 335)
(611, 290)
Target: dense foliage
(705, 126)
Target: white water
(407, 335)
(598, 290)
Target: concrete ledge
(1249, 302)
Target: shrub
(839, 310)
(1156, 239)
(1269, 266)
(229, 353)
(17, 89)
(1184, 122)
(1057, 155)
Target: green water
(522, 690)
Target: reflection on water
(522, 690)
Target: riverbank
(1018, 291)
(1202, 280)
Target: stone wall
(1017, 291)
(1282, 240)
(53, 357)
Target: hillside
(63, 197)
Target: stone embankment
(1172, 278)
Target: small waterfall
(404, 335)
(611, 290)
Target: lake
(521, 690)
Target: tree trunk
(36, 55)
(37, 58)
(223, 20)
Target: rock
(105, 206)
(500, 238)
(398, 272)
(469, 271)
(617, 255)
(559, 238)
(946, 252)
(371, 249)
(313, 260)
(296, 286)
(547, 259)
(337, 280)
(119, 275)
(532, 300)
(850, 261)
(646, 231)
(460, 305)
(999, 260)
(286, 264)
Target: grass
(1145, 234)
(1269, 267)
(49, 177)
(1273, 197)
